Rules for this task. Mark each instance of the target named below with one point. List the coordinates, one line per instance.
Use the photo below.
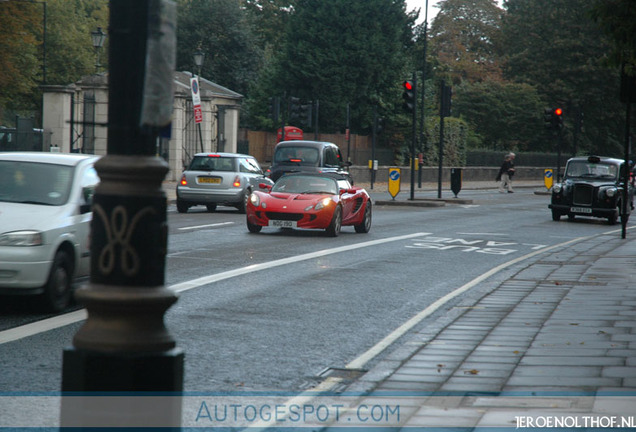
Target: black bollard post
(124, 346)
(456, 180)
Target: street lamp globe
(198, 58)
(98, 36)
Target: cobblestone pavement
(554, 343)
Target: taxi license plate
(209, 180)
(584, 210)
(282, 224)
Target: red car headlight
(322, 204)
(255, 200)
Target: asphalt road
(272, 311)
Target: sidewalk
(427, 193)
(555, 341)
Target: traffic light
(547, 117)
(408, 96)
(294, 107)
(558, 118)
(274, 109)
(553, 118)
(305, 113)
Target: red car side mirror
(265, 186)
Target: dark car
(214, 179)
(307, 157)
(592, 186)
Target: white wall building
(76, 117)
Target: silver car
(214, 179)
(45, 215)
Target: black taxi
(592, 186)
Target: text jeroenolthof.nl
(578, 421)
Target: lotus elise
(311, 201)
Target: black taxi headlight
(611, 192)
(557, 188)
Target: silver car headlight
(611, 192)
(557, 188)
(21, 238)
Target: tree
(69, 51)
(343, 51)
(220, 28)
(555, 46)
(269, 17)
(505, 116)
(617, 19)
(465, 39)
(21, 61)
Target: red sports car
(314, 201)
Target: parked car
(313, 201)
(309, 157)
(592, 186)
(45, 215)
(214, 179)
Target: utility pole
(124, 346)
(414, 136)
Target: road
(280, 310)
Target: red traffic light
(408, 85)
(558, 111)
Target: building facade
(75, 117)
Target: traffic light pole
(414, 137)
(626, 205)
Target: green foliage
(505, 116)
(455, 139)
(21, 59)
(70, 52)
(617, 19)
(465, 38)
(555, 46)
(222, 30)
(339, 52)
(69, 49)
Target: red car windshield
(306, 184)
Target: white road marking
(363, 359)
(195, 283)
(80, 315)
(206, 226)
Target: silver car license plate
(584, 210)
(282, 224)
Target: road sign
(394, 181)
(196, 94)
(198, 114)
(196, 100)
(548, 178)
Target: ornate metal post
(124, 345)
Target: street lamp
(98, 36)
(199, 56)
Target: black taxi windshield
(589, 170)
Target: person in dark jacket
(506, 172)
